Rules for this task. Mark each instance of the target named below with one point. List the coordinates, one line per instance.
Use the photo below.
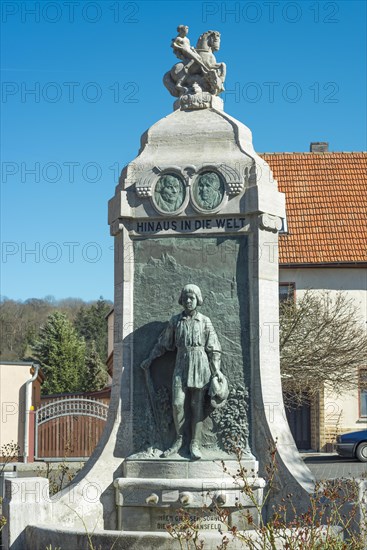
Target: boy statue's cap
(218, 391)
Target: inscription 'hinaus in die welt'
(189, 225)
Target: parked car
(353, 445)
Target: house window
(362, 383)
(286, 291)
(284, 228)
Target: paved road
(330, 466)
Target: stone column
(268, 410)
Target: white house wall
(341, 412)
(13, 378)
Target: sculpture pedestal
(156, 493)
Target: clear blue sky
(296, 74)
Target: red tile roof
(326, 206)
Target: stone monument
(195, 219)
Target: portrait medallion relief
(169, 193)
(208, 191)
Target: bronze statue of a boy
(197, 364)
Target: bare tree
(322, 341)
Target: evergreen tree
(96, 375)
(91, 324)
(61, 353)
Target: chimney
(319, 147)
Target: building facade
(20, 392)
(323, 247)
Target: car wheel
(361, 452)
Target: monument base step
(42, 536)
(188, 469)
(150, 504)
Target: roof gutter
(28, 401)
(339, 265)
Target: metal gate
(69, 428)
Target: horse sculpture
(198, 70)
